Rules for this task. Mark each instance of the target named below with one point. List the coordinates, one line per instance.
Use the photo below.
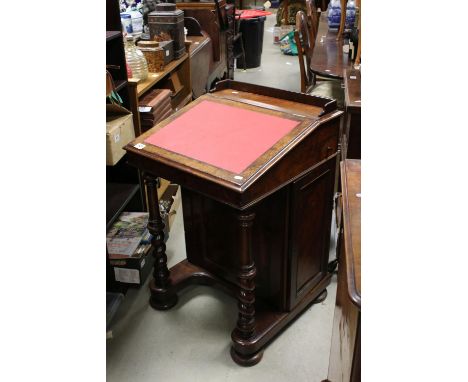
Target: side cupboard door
(310, 225)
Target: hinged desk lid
(222, 134)
(227, 140)
(222, 137)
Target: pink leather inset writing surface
(223, 136)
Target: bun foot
(321, 297)
(246, 360)
(163, 302)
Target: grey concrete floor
(191, 342)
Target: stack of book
(154, 107)
(128, 235)
(128, 243)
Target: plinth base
(164, 304)
(246, 360)
(268, 322)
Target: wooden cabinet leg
(161, 296)
(245, 327)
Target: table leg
(342, 19)
(162, 298)
(357, 61)
(244, 332)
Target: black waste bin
(252, 36)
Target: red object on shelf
(129, 71)
(251, 13)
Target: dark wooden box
(168, 20)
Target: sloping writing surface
(224, 136)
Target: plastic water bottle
(135, 59)
(137, 21)
(126, 20)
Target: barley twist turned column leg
(245, 327)
(161, 296)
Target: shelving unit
(118, 197)
(156, 80)
(123, 191)
(138, 88)
(110, 35)
(115, 56)
(119, 84)
(124, 186)
(121, 179)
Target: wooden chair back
(313, 19)
(304, 51)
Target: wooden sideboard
(345, 352)
(201, 55)
(352, 134)
(218, 23)
(257, 203)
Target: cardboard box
(175, 207)
(169, 204)
(162, 187)
(119, 132)
(132, 271)
(163, 184)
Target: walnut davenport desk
(256, 166)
